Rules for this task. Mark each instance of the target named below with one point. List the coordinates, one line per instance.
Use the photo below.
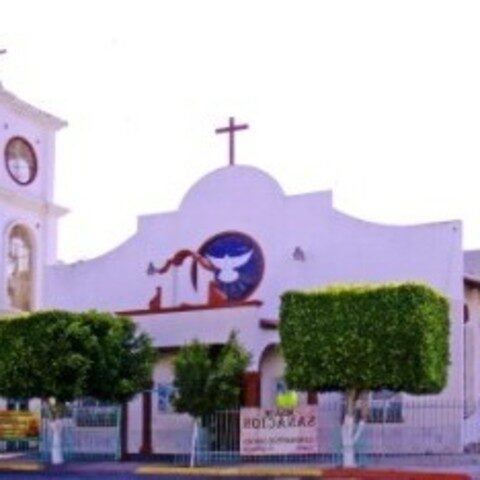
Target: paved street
(83, 476)
(100, 476)
(473, 475)
(126, 471)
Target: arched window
(20, 269)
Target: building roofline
(25, 109)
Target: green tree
(206, 383)
(357, 339)
(60, 356)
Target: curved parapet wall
(304, 243)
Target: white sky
(377, 100)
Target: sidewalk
(265, 471)
(276, 471)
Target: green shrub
(366, 338)
(205, 383)
(68, 355)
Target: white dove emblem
(228, 264)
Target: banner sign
(18, 424)
(278, 432)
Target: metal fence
(414, 432)
(24, 447)
(89, 432)
(418, 432)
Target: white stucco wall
(42, 141)
(30, 205)
(472, 348)
(171, 433)
(134, 425)
(338, 248)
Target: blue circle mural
(238, 263)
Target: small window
(165, 394)
(89, 412)
(17, 404)
(280, 386)
(385, 407)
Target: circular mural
(21, 161)
(238, 263)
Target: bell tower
(28, 216)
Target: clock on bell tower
(28, 216)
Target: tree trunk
(347, 441)
(351, 430)
(194, 442)
(56, 425)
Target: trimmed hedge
(366, 338)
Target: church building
(219, 263)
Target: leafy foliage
(68, 355)
(205, 384)
(366, 338)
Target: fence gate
(89, 432)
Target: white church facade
(220, 263)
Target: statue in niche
(19, 269)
